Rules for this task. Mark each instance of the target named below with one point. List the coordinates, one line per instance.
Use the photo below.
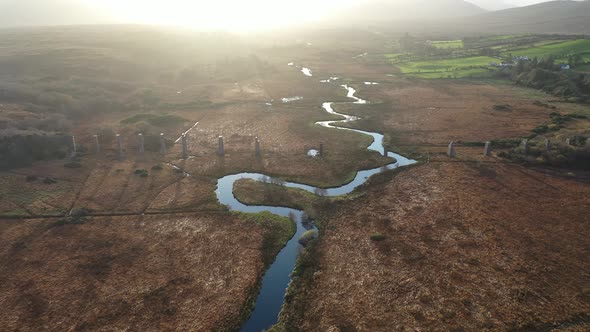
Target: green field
(503, 37)
(557, 49)
(456, 68)
(394, 57)
(583, 68)
(446, 44)
(471, 57)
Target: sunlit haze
(235, 15)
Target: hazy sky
(503, 4)
(524, 2)
(232, 14)
(209, 14)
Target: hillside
(379, 11)
(571, 17)
(492, 4)
(553, 17)
(418, 16)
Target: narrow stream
(277, 278)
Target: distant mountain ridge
(387, 10)
(70, 12)
(464, 18)
(427, 16)
(492, 4)
(567, 17)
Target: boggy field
(98, 242)
(197, 272)
(471, 243)
(140, 243)
(450, 246)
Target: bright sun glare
(236, 15)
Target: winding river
(277, 278)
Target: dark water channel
(277, 278)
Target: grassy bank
(318, 208)
(278, 231)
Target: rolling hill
(418, 16)
(460, 18)
(492, 4)
(379, 11)
(568, 17)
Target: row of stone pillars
(524, 144)
(163, 147)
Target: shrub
(137, 118)
(20, 148)
(31, 178)
(377, 237)
(60, 154)
(155, 120)
(141, 172)
(72, 164)
(477, 144)
(71, 220)
(106, 134)
(166, 120)
(49, 181)
(80, 212)
(542, 104)
(307, 237)
(570, 157)
(502, 107)
(579, 141)
(505, 155)
(541, 129)
(157, 167)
